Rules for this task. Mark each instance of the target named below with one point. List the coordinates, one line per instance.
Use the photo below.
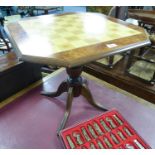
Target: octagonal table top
(73, 39)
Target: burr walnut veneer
(71, 41)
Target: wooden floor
(117, 77)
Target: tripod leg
(63, 87)
(68, 110)
(87, 94)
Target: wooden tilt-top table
(145, 16)
(73, 40)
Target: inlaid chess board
(75, 39)
(74, 31)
